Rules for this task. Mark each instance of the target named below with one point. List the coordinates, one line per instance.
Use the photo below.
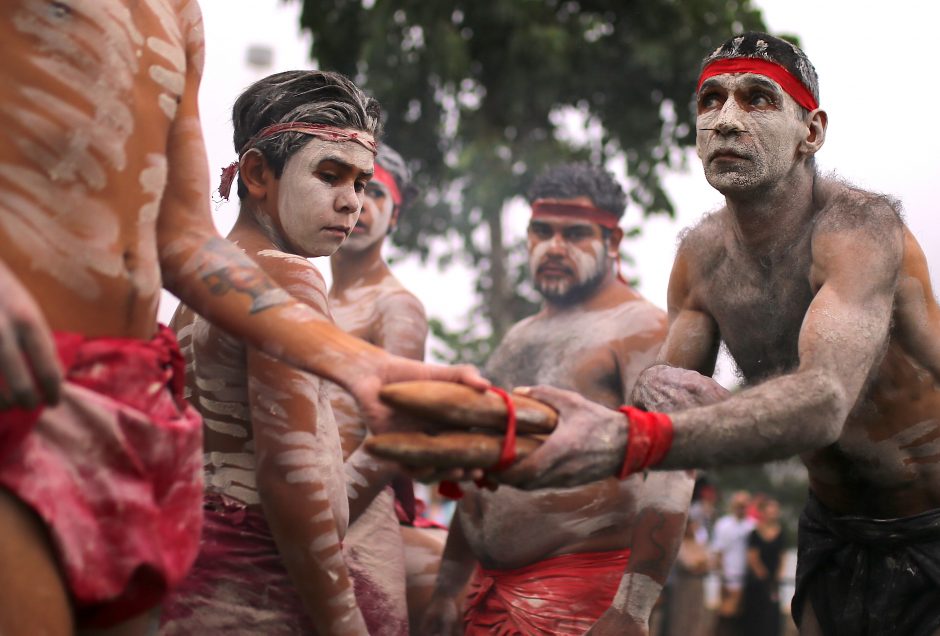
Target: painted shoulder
(297, 275)
(395, 298)
(702, 246)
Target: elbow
(827, 408)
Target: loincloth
(240, 586)
(114, 472)
(869, 577)
(561, 595)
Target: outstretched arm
(662, 510)
(662, 506)
(442, 616)
(843, 336)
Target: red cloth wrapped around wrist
(649, 438)
(507, 455)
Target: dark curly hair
(570, 180)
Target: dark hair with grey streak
(393, 162)
(313, 97)
(570, 180)
(773, 49)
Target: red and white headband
(552, 207)
(320, 131)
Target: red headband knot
(320, 131)
(384, 177)
(553, 207)
(790, 84)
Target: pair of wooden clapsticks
(468, 425)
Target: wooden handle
(447, 450)
(453, 405)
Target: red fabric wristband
(507, 455)
(649, 438)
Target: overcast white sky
(877, 63)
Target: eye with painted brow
(540, 231)
(760, 99)
(374, 192)
(578, 233)
(709, 99)
(327, 177)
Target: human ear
(816, 123)
(255, 173)
(613, 241)
(393, 222)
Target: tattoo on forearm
(232, 271)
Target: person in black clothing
(765, 546)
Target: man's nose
(556, 244)
(729, 118)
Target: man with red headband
(822, 297)
(590, 559)
(368, 301)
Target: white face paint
(748, 131)
(375, 219)
(559, 266)
(320, 195)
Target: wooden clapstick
(452, 405)
(447, 450)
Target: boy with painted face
(589, 559)
(370, 303)
(822, 297)
(276, 507)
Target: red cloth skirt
(561, 595)
(240, 586)
(114, 471)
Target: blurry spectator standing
(760, 615)
(729, 545)
(687, 612)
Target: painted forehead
(347, 153)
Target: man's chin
(731, 182)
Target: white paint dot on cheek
(588, 263)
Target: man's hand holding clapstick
(536, 437)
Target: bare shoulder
(844, 207)
(702, 246)
(395, 299)
(297, 275)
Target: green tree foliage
(478, 93)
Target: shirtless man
(369, 302)
(822, 296)
(103, 188)
(562, 561)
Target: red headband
(384, 177)
(790, 84)
(320, 131)
(551, 207)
